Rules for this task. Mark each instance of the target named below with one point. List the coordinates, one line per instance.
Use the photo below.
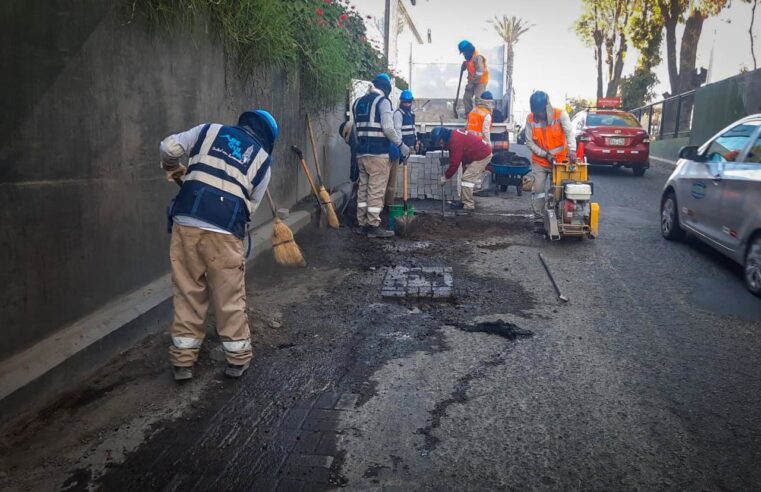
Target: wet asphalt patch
(501, 328)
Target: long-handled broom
(323, 193)
(304, 166)
(284, 247)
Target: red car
(613, 138)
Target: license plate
(617, 141)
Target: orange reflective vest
(476, 119)
(551, 138)
(472, 69)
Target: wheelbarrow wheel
(519, 189)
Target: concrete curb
(49, 369)
(663, 160)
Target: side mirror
(690, 152)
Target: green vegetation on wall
(325, 39)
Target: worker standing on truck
(549, 136)
(227, 174)
(404, 125)
(478, 73)
(470, 151)
(373, 122)
(480, 119)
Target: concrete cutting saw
(569, 209)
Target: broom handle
(271, 202)
(311, 182)
(314, 149)
(406, 186)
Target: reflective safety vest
(472, 69)
(476, 119)
(550, 137)
(225, 165)
(409, 137)
(367, 122)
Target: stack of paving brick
(424, 174)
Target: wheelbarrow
(507, 169)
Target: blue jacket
(367, 124)
(225, 165)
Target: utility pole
(390, 21)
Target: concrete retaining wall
(82, 198)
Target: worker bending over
(478, 74)
(549, 136)
(373, 122)
(227, 174)
(404, 125)
(480, 119)
(470, 151)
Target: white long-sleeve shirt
(174, 147)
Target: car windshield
(621, 119)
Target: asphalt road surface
(647, 379)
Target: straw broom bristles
(331, 212)
(284, 247)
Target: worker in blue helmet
(227, 173)
(376, 143)
(478, 73)
(404, 125)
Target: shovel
(457, 96)
(403, 224)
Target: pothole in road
(500, 327)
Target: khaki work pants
(471, 91)
(471, 178)
(208, 265)
(373, 179)
(388, 200)
(538, 191)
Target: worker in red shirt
(470, 151)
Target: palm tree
(510, 29)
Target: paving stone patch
(418, 283)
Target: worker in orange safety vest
(480, 119)
(478, 73)
(549, 136)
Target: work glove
(464, 66)
(404, 150)
(572, 157)
(443, 180)
(174, 172)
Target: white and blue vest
(224, 167)
(408, 128)
(367, 122)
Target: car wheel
(670, 228)
(753, 266)
(639, 170)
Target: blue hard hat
(406, 96)
(487, 95)
(440, 133)
(259, 121)
(463, 45)
(383, 82)
(539, 101)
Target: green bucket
(397, 210)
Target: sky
(550, 57)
